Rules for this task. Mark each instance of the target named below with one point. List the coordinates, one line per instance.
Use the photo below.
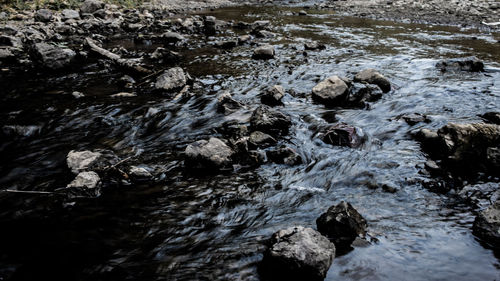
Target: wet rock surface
(331, 91)
(487, 224)
(269, 120)
(211, 154)
(52, 57)
(342, 135)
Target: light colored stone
(80, 160)
(85, 180)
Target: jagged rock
(260, 139)
(470, 64)
(171, 79)
(90, 6)
(273, 95)
(332, 91)
(342, 224)
(211, 154)
(360, 94)
(79, 161)
(232, 129)
(481, 195)
(270, 121)
(171, 37)
(284, 155)
(491, 117)
(487, 225)
(371, 76)
(226, 104)
(52, 57)
(313, 46)
(263, 52)
(298, 253)
(68, 14)
(85, 180)
(44, 15)
(342, 134)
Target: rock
(273, 95)
(313, 46)
(139, 172)
(302, 13)
(415, 118)
(481, 195)
(21, 131)
(342, 134)
(211, 154)
(52, 57)
(244, 39)
(6, 55)
(284, 155)
(298, 253)
(165, 55)
(332, 91)
(77, 95)
(226, 44)
(210, 25)
(11, 41)
(493, 157)
(491, 117)
(68, 14)
(360, 94)
(260, 139)
(264, 34)
(79, 161)
(85, 180)
(226, 104)
(263, 52)
(470, 64)
(371, 76)
(123, 95)
(171, 79)
(232, 129)
(270, 121)
(44, 15)
(171, 37)
(342, 224)
(260, 24)
(487, 225)
(90, 6)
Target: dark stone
(273, 96)
(313, 46)
(226, 44)
(260, 139)
(491, 117)
(211, 154)
(264, 52)
(52, 57)
(226, 104)
(371, 76)
(470, 64)
(270, 121)
(487, 225)
(342, 134)
(284, 155)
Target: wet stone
(264, 52)
(171, 37)
(226, 44)
(284, 155)
(491, 117)
(211, 154)
(468, 64)
(44, 15)
(273, 96)
(487, 225)
(171, 79)
(260, 139)
(269, 120)
(52, 57)
(371, 76)
(81, 160)
(313, 46)
(331, 91)
(415, 118)
(342, 134)
(226, 104)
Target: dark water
(189, 227)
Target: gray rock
(139, 172)
(52, 57)
(284, 155)
(481, 195)
(244, 39)
(470, 64)
(487, 225)
(226, 104)
(371, 76)
(6, 55)
(313, 46)
(264, 52)
(90, 6)
(260, 24)
(85, 180)
(270, 121)
(273, 95)
(226, 44)
(298, 253)
(211, 154)
(44, 15)
(171, 37)
(342, 224)
(171, 79)
(260, 139)
(415, 118)
(68, 14)
(79, 161)
(332, 91)
(342, 134)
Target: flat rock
(52, 57)
(68, 14)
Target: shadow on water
(214, 227)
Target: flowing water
(214, 227)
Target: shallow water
(192, 227)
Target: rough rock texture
(298, 253)
(85, 180)
(360, 94)
(139, 172)
(44, 15)
(52, 57)
(68, 14)
(171, 79)
(491, 117)
(470, 64)
(260, 139)
(342, 224)
(270, 121)
(273, 96)
(284, 155)
(371, 76)
(487, 225)
(172, 37)
(264, 52)
(211, 154)
(342, 134)
(332, 91)
(226, 104)
(81, 160)
(91, 6)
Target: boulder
(68, 14)
(470, 64)
(171, 79)
(269, 120)
(263, 52)
(260, 139)
(284, 155)
(171, 37)
(342, 134)
(273, 96)
(342, 224)
(44, 15)
(491, 117)
(79, 161)
(52, 57)
(487, 225)
(211, 154)
(226, 104)
(85, 180)
(332, 91)
(90, 6)
(371, 76)
(298, 253)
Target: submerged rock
(371, 76)
(139, 172)
(264, 52)
(211, 154)
(284, 155)
(171, 79)
(342, 134)
(342, 224)
(298, 253)
(487, 225)
(415, 118)
(52, 57)
(332, 91)
(226, 44)
(81, 160)
(269, 120)
(360, 94)
(273, 96)
(470, 64)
